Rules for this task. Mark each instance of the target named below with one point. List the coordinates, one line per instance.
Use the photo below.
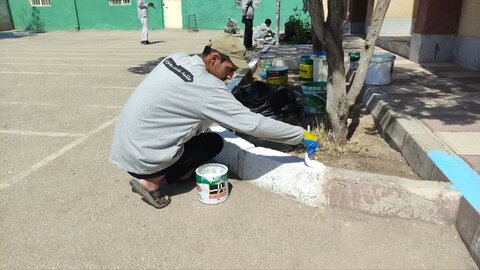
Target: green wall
(98, 14)
(92, 14)
(213, 14)
(61, 15)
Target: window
(119, 2)
(39, 3)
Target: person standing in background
(142, 9)
(247, 19)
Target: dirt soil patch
(366, 150)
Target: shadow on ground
(146, 67)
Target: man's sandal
(155, 198)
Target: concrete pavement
(63, 205)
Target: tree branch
(366, 55)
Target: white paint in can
(212, 183)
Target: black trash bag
(277, 102)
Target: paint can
(306, 68)
(380, 69)
(277, 75)
(314, 97)
(354, 58)
(212, 183)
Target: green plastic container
(354, 57)
(314, 97)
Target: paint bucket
(212, 183)
(354, 58)
(306, 68)
(380, 69)
(277, 75)
(314, 97)
(320, 67)
(266, 64)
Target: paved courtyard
(62, 205)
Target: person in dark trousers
(162, 132)
(247, 19)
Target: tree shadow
(33, 21)
(427, 94)
(147, 67)
(15, 34)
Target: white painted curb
(374, 194)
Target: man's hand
(310, 142)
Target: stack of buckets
(314, 70)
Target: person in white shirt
(262, 31)
(142, 10)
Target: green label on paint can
(211, 180)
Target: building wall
(399, 18)
(213, 14)
(98, 14)
(467, 49)
(469, 19)
(92, 14)
(5, 20)
(60, 15)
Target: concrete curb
(415, 142)
(374, 194)
(468, 226)
(404, 133)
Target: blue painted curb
(463, 177)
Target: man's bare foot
(152, 184)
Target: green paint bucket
(277, 75)
(314, 97)
(212, 183)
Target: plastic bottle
(320, 67)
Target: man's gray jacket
(176, 101)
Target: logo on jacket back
(178, 70)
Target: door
(5, 20)
(172, 13)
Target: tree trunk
(316, 44)
(330, 34)
(337, 103)
(381, 8)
